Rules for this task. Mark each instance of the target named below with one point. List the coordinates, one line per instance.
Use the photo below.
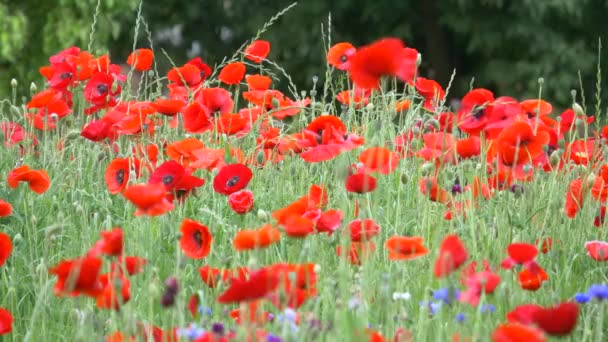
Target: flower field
(203, 204)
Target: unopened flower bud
(33, 88)
(14, 83)
(15, 111)
(578, 110)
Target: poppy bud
(591, 179)
(434, 123)
(262, 215)
(275, 102)
(555, 157)
(426, 168)
(561, 143)
(541, 80)
(578, 110)
(33, 88)
(101, 156)
(260, 157)
(17, 239)
(14, 83)
(404, 178)
(53, 230)
(15, 111)
(150, 73)
(74, 134)
(579, 123)
(418, 59)
(318, 106)
(416, 130)
(315, 79)
(313, 93)
(41, 269)
(370, 106)
(573, 93)
(317, 268)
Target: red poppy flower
(405, 247)
(469, 147)
(241, 202)
(329, 221)
(216, 100)
(429, 187)
(532, 280)
(175, 178)
(597, 250)
(363, 230)
(6, 322)
(475, 110)
(204, 69)
(232, 178)
(379, 159)
(356, 252)
(196, 239)
(38, 180)
(186, 75)
(5, 209)
(141, 59)
(98, 91)
(371, 62)
(297, 226)
(514, 332)
(111, 243)
(258, 285)
(360, 183)
(559, 320)
(6, 246)
(232, 73)
(478, 283)
(340, 54)
(256, 238)
(517, 143)
(78, 275)
(150, 199)
(98, 130)
(132, 264)
(118, 172)
(523, 314)
(568, 119)
(258, 82)
(211, 275)
(168, 107)
(116, 291)
(231, 124)
(452, 254)
(522, 253)
(257, 51)
(575, 196)
(432, 92)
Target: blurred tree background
(503, 45)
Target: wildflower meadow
(204, 204)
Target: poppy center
(181, 193)
(168, 179)
(120, 176)
(198, 238)
(102, 88)
(343, 58)
(477, 112)
(66, 75)
(232, 181)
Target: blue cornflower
(582, 298)
(460, 317)
(432, 306)
(204, 310)
(192, 332)
(598, 291)
(487, 307)
(446, 295)
(273, 338)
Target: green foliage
(505, 45)
(32, 30)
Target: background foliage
(504, 45)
